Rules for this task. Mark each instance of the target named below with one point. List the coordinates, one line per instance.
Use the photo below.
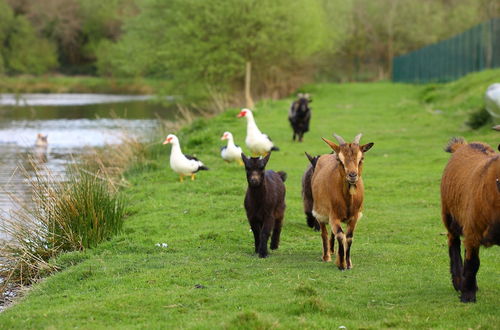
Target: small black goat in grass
(264, 203)
(307, 196)
(300, 115)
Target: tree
(22, 50)
(207, 44)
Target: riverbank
(81, 84)
(185, 258)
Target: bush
(479, 118)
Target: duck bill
(241, 114)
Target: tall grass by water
(70, 213)
(65, 214)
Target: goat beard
(352, 188)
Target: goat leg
(471, 266)
(326, 244)
(339, 235)
(275, 238)
(456, 263)
(256, 235)
(332, 244)
(264, 237)
(349, 236)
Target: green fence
(473, 50)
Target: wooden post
(248, 79)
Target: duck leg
(181, 177)
(193, 176)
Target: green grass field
(209, 277)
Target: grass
(208, 276)
(80, 84)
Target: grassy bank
(80, 84)
(208, 276)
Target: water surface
(72, 122)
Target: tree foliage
(207, 43)
(22, 50)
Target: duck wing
(191, 157)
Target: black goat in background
(300, 115)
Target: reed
(111, 163)
(68, 213)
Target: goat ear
(266, 159)
(311, 158)
(332, 145)
(244, 158)
(366, 147)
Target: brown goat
(338, 190)
(470, 202)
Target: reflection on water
(66, 100)
(70, 128)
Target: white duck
(180, 163)
(41, 140)
(256, 141)
(231, 152)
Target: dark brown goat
(307, 196)
(264, 203)
(300, 116)
(470, 202)
(338, 192)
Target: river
(72, 122)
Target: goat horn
(357, 138)
(339, 139)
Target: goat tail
(454, 144)
(275, 148)
(282, 175)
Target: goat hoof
(263, 254)
(468, 297)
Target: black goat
(264, 202)
(300, 115)
(307, 196)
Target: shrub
(479, 118)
